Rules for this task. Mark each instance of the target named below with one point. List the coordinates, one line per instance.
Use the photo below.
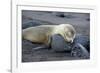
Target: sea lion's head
(67, 31)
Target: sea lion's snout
(70, 40)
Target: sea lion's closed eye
(69, 34)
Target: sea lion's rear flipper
(40, 47)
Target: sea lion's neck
(56, 30)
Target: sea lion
(43, 33)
